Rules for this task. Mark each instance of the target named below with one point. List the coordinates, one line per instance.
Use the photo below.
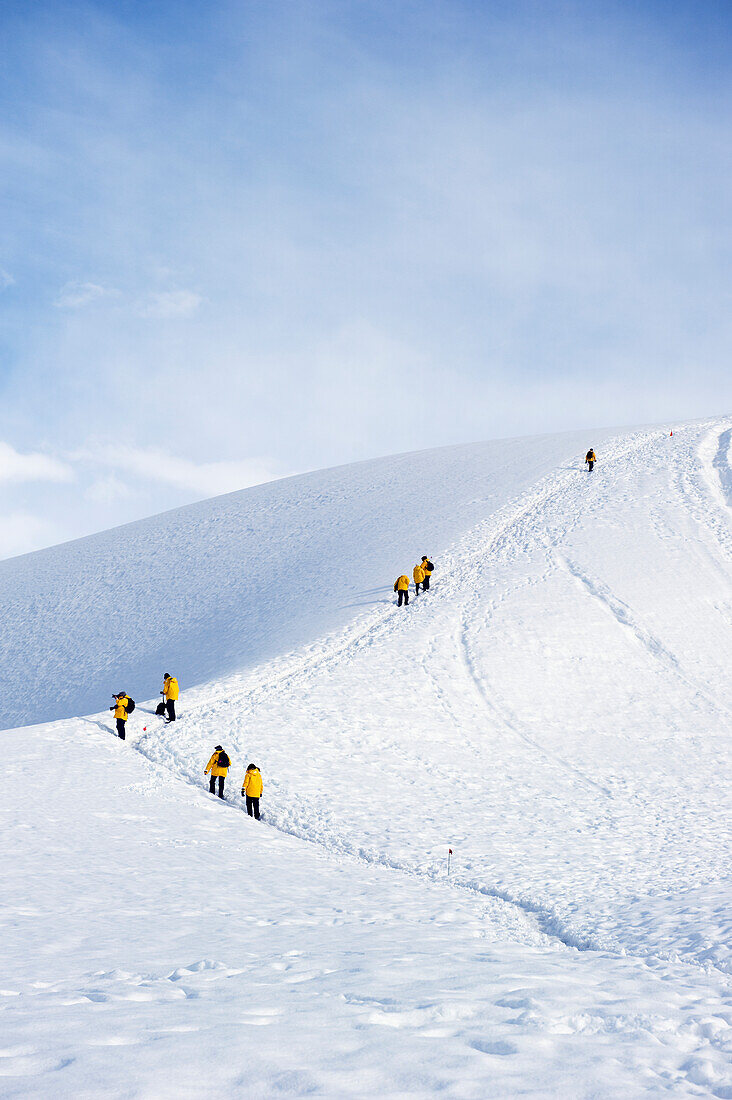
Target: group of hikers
(251, 788)
(219, 764)
(421, 574)
(124, 704)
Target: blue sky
(240, 240)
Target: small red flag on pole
(449, 856)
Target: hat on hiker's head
(252, 768)
(166, 675)
(424, 557)
(218, 748)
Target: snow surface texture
(556, 709)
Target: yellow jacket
(213, 766)
(401, 584)
(418, 574)
(591, 457)
(120, 710)
(427, 572)
(252, 784)
(170, 687)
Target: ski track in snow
(623, 615)
(705, 486)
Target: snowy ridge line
(489, 535)
(249, 688)
(216, 561)
(622, 614)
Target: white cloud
(108, 490)
(150, 464)
(16, 467)
(20, 533)
(46, 499)
(76, 295)
(171, 303)
(206, 478)
(6, 279)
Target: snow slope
(220, 586)
(158, 944)
(557, 710)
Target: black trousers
(253, 807)
(212, 785)
(121, 728)
(416, 587)
(404, 595)
(426, 582)
(170, 707)
(590, 464)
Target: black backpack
(129, 705)
(428, 566)
(223, 761)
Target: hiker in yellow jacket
(427, 569)
(401, 585)
(121, 713)
(418, 574)
(218, 766)
(590, 459)
(252, 787)
(170, 694)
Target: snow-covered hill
(557, 710)
(221, 586)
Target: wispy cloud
(16, 467)
(6, 279)
(171, 303)
(108, 490)
(21, 532)
(77, 295)
(158, 466)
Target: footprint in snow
(496, 1047)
